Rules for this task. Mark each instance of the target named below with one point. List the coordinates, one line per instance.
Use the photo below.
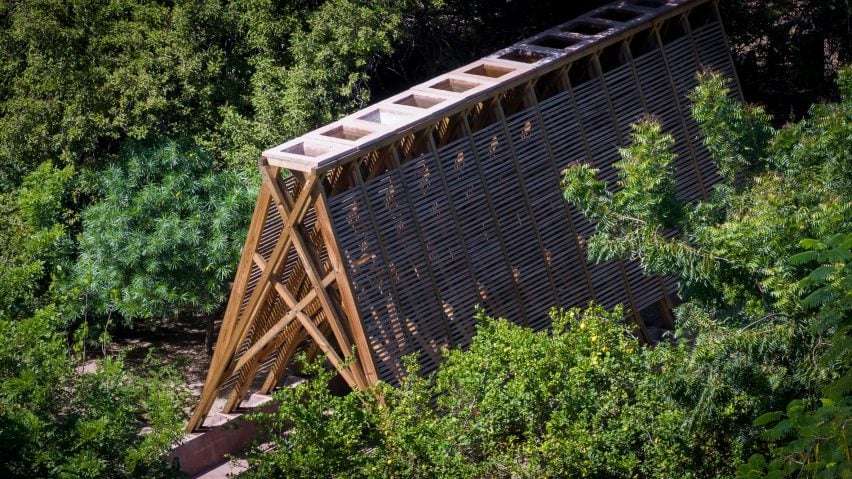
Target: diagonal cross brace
(238, 326)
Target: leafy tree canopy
(739, 253)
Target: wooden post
(526, 200)
(533, 103)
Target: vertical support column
(419, 231)
(526, 199)
(638, 319)
(566, 83)
(629, 55)
(494, 217)
(344, 286)
(223, 353)
(680, 110)
(688, 29)
(532, 101)
(457, 225)
(728, 43)
(383, 250)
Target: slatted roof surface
(377, 124)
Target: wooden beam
(312, 270)
(533, 102)
(344, 286)
(281, 324)
(489, 201)
(501, 117)
(326, 347)
(273, 377)
(222, 354)
(279, 255)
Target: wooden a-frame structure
(390, 225)
(324, 313)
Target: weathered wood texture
(387, 252)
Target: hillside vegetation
(129, 136)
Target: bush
(57, 422)
(165, 236)
(584, 400)
(35, 245)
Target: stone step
(222, 436)
(226, 470)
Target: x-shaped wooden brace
(349, 369)
(235, 331)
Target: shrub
(35, 245)
(165, 236)
(57, 422)
(583, 400)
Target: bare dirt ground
(179, 344)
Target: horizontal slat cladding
(482, 221)
(454, 278)
(593, 106)
(565, 136)
(685, 69)
(513, 225)
(406, 263)
(371, 287)
(657, 90)
(681, 60)
(542, 187)
(712, 51)
(625, 97)
(646, 289)
(608, 284)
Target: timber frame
(257, 332)
(365, 244)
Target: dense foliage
(584, 400)
(57, 422)
(107, 221)
(165, 233)
(34, 240)
(739, 253)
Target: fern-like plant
(166, 235)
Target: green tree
(166, 234)
(81, 76)
(736, 254)
(809, 439)
(332, 51)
